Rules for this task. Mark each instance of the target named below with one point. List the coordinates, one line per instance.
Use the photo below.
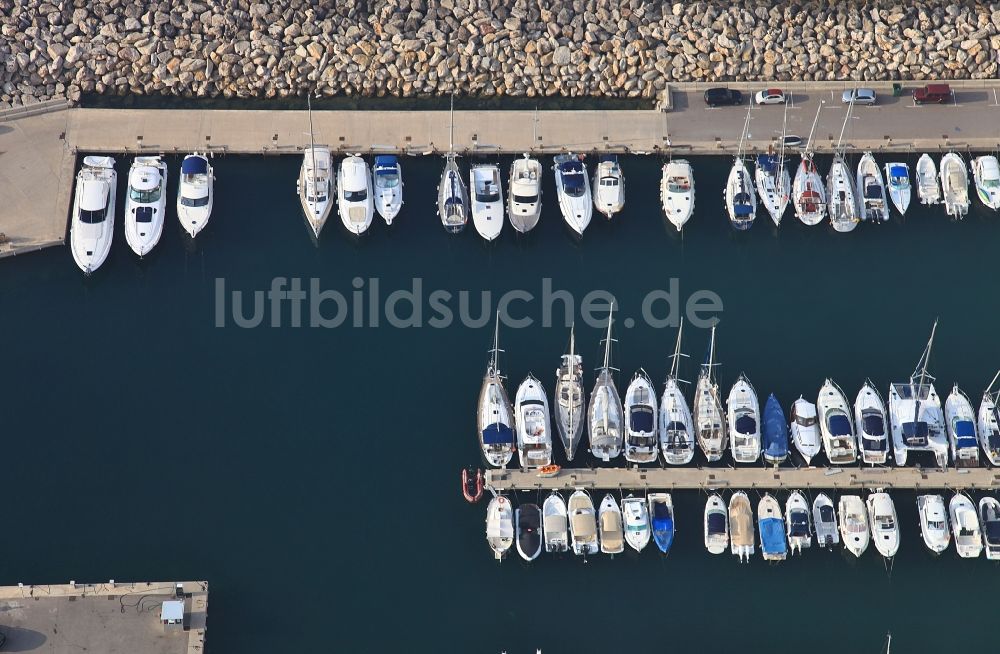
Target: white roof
(94, 195)
(172, 610)
(355, 174)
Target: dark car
(723, 97)
(932, 93)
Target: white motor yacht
(635, 512)
(835, 425)
(354, 195)
(569, 399)
(487, 200)
(709, 418)
(609, 517)
(989, 524)
(92, 226)
(676, 426)
(853, 524)
(609, 186)
(604, 415)
(884, 526)
(915, 415)
(524, 196)
(387, 176)
(804, 427)
(195, 193)
(928, 189)
(933, 522)
(960, 419)
(743, 416)
(499, 525)
(582, 524)
(555, 524)
(573, 190)
(315, 186)
(965, 526)
(825, 521)
(534, 433)
(897, 179)
(716, 525)
(145, 204)
(871, 189)
(870, 420)
(741, 532)
(495, 416)
(797, 523)
(677, 192)
(640, 415)
(954, 185)
(986, 174)
(989, 424)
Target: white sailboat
(677, 192)
(453, 196)
(534, 433)
(677, 440)
(569, 398)
(954, 185)
(883, 523)
(145, 204)
(835, 425)
(917, 422)
(499, 525)
(354, 195)
(609, 186)
(582, 524)
(774, 185)
(387, 177)
(989, 424)
(808, 193)
(853, 524)
(797, 523)
(555, 523)
(989, 524)
(716, 525)
(609, 518)
(604, 415)
(315, 182)
(524, 197)
(709, 418)
(92, 227)
(825, 521)
(870, 420)
(741, 536)
(804, 427)
(897, 178)
(965, 526)
(961, 422)
(933, 522)
(195, 193)
(871, 190)
(841, 194)
(573, 191)
(743, 414)
(640, 420)
(928, 189)
(635, 512)
(495, 415)
(986, 174)
(487, 200)
(741, 199)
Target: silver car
(860, 96)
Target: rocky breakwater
(627, 48)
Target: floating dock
(109, 618)
(704, 478)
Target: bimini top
(194, 166)
(798, 522)
(768, 162)
(498, 434)
(873, 424)
(840, 425)
(741, 205)
(899, 172)
(746, 425)
(641, 419)
(572, 177)
(385, 164)
(716, 523)
(965, 434)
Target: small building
(172, 613)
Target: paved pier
(744, 478)
(37, 150)
(105, 618)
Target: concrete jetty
(705, 478)
(110, 618)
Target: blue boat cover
(994, 441)
(716, 523)
(775, 434)
(144, 215)
(641, 419)
(840, 425)
(385, 163)
(873, 425)
(965, 434)
(663, 528)
(194, 166)
(898, 171)
(746, 425)
(497, 434)
(768, 162)
(741, 205)
(772, 536)
(798, 523)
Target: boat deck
(745, 478)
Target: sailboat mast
(451, 126)
(746, 126)
(925, 359)
(496, 344)
(677, 351)
(607, 341)
(843, 127)
(312, 146)
(812, 129)
(711, 354)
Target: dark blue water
(311, 475)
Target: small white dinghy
(989, 523)
(612, 534)
(853, 524)
(387, 176)
(573, 191)
(354, 195)
(741, 537)
(677, 192)
(965, 526)
(145, 204)
(835, 425)
(92, 227)
(869, 418)
(986, 174)
(716, 525)
(989, 425)
(528, 530)
(825, 521)
(804, 427)
(928, 189)
(797, 523)
(933, 522)
(961, 422)
(635, 512)
(884, 526)
(555, 525)
(487, 200)
(524, 196)
(582, 524)
(743, 413)
(195, 193)
(897, 179)
(609, 186)
(954, 185)
(871, 189)
(534, 430)
(499, 525)
(641, 441)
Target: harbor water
(311, 474)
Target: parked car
(723, 97)
(860, 96)
(770, 96)
(932, 94)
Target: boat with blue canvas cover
(869, 418)
(195, 193)
(775, 436)
(835, 425)
(388, 179)
(897, 177)
(772, 529)
(495, 415)
(961, 421)
(716, 525)
(573, 191)
(661, 510)
(741, 200)
(989, 523)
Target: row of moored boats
(643, 429)
(855, 522)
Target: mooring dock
(109, 618)
(680, 478)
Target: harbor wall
(633, 48)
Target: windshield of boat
(805, 421)
(145, 197)
(488, 194)
(991, 183)
(525, 199)
(609, 181)
(678, 185)
(93, 217)
(194, 202)
(356, 196)
(387, 179)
